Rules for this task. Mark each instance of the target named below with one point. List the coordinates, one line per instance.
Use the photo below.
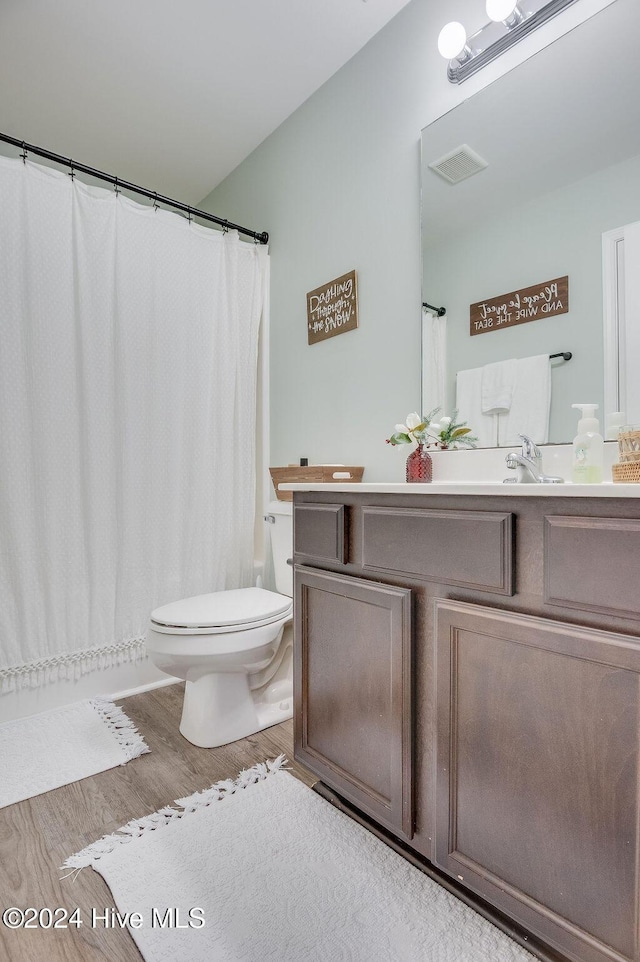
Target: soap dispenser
(588, 447)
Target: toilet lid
(239, 606)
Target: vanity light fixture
(510, 21)
(452, 42)
(505, 11)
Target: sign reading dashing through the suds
(333, 308)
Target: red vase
(419, 465)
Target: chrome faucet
(528, 465)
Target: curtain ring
(115, 186)
(24, 152)
(72, 172)
(189, 214)
(225, 227)
(155, 200)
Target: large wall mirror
(561, 138)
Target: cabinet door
(353, 691)
(537, 779)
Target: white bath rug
(54, 748)
(264, 869)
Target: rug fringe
(249, 776)
(189, 804)
(120, 725)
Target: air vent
(459, 164)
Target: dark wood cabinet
(468, 677)
(353, 714)
(538, 748)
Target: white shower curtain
(128, 355)
(434, 361)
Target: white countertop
(454, 469)
(567, 490)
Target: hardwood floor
(37, 835)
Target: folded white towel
(469, 407)
(531, 403)
(498, 382)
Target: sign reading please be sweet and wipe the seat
(519, 307)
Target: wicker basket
(321, 473)
(626, 473)
(629, 445)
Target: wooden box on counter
(321, 473)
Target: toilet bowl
(235, 651)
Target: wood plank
(37, 835)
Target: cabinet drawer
(471, 549)
(319, 532)
(593, 564)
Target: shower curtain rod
(438, 311)
(261, 237)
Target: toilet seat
(238, 609)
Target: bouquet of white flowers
(445, 433)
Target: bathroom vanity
(467, 668)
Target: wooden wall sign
(333, 308)
(519, 307)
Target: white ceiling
(169, 94)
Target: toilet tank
(281, 530)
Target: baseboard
(148, 687)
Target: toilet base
(220, 708)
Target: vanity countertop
(567, 490)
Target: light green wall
(338, 188)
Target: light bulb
(452, 40)
(501, 10)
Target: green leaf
(431, 415)
(459, 431)
(400, 439)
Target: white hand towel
(498, 382)
(469, 407)
(531, 403)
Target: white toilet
(235, 650)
